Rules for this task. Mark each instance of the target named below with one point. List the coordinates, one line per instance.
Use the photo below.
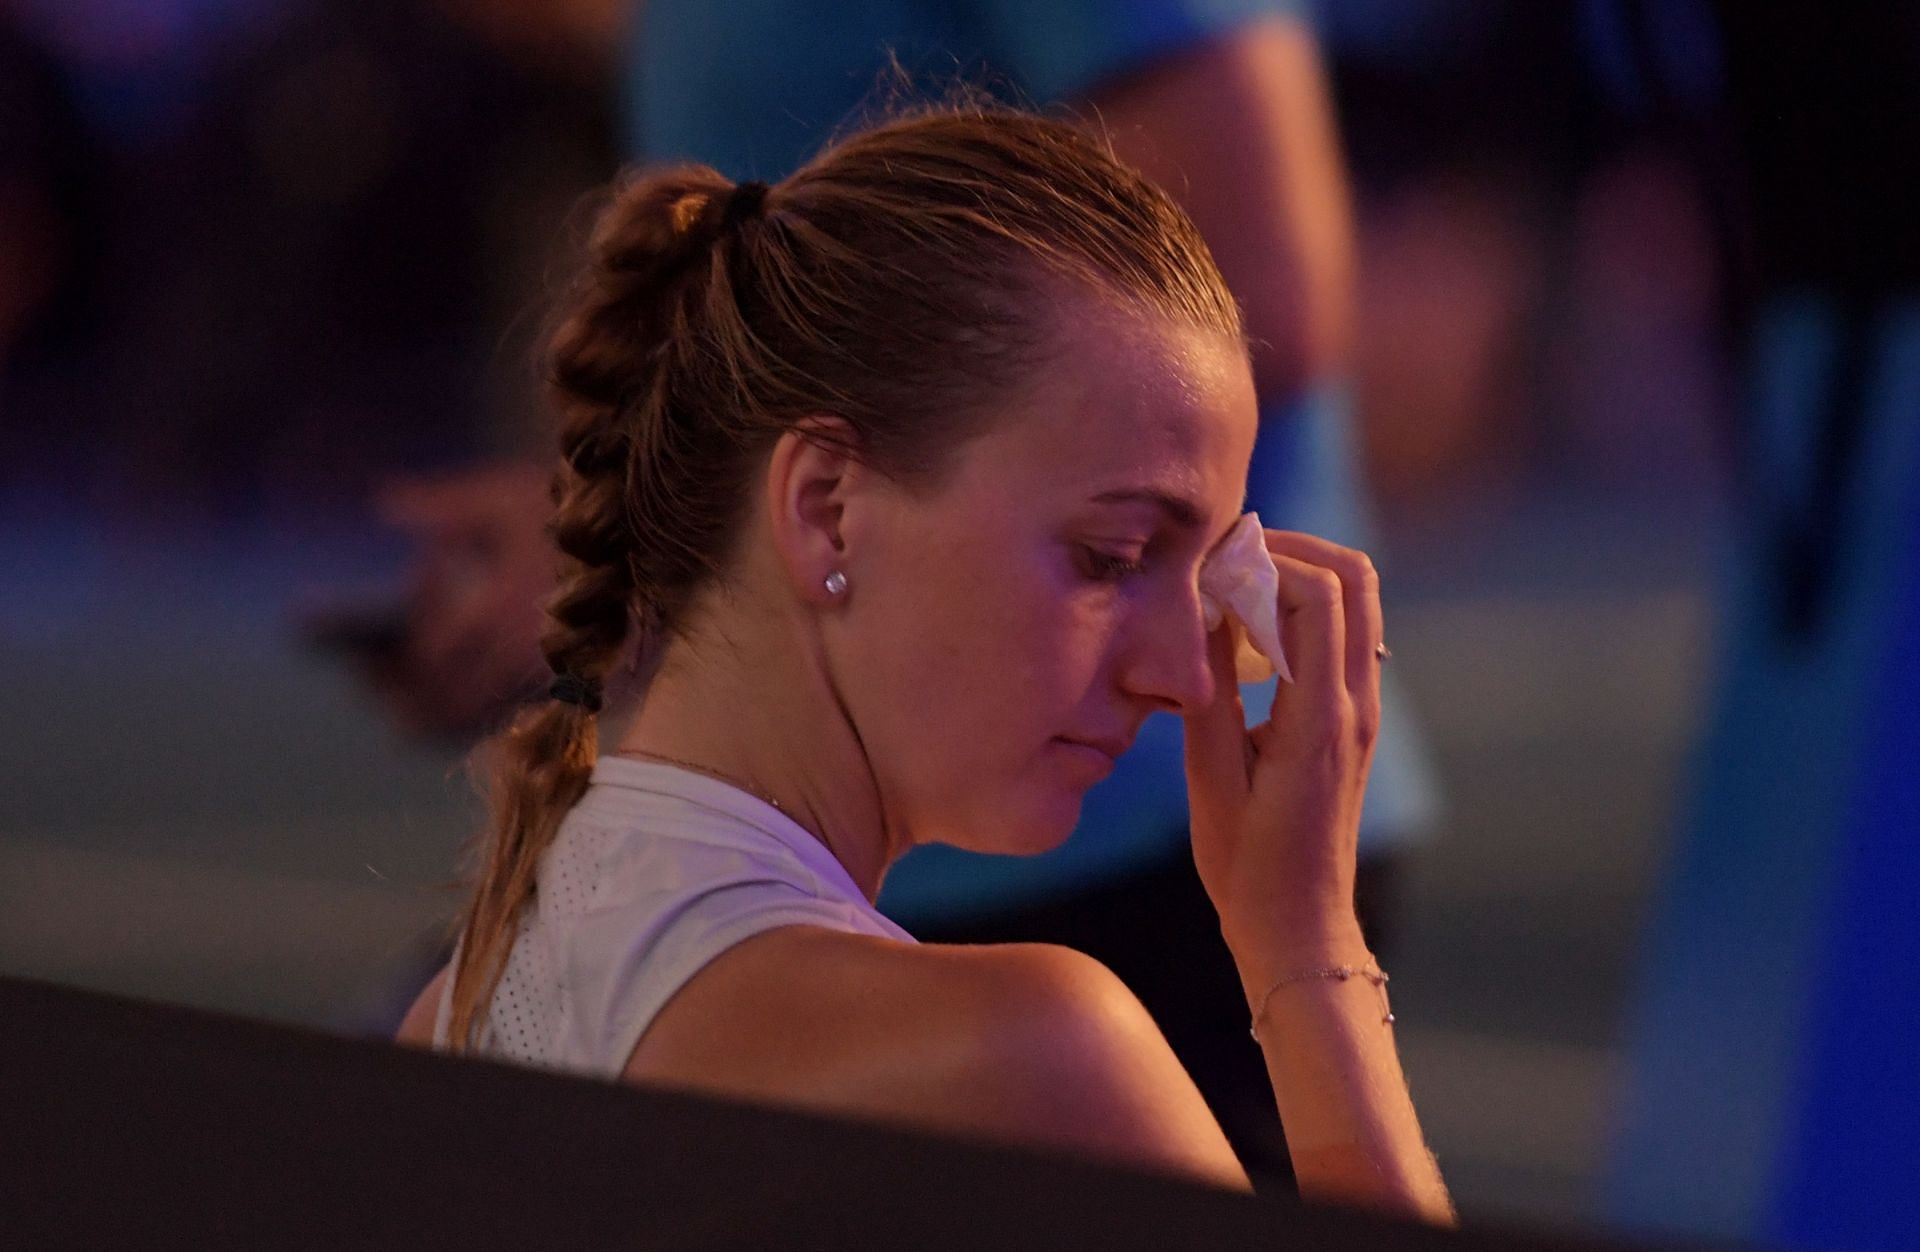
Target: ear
(812, 479)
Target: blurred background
(261, 260)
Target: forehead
(1128, 402)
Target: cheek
(1026, 632)
(985, 654)
(966, 669)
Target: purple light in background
(138, 66)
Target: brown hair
(900, 281)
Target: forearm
(1350, 1124)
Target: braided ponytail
(605, 359)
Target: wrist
(1274, 953)
(1326, 978)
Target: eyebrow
(1183, 511)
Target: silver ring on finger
(1382, 651)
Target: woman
(895, 480)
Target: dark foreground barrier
(126, 1124)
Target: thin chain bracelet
(1339, 973)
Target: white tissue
(1238, 580)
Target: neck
(747, 704)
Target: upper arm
(1068, 1056)
(1240, 129)
(416, 1028)
(1025, 1044)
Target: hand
(1275, 811)
(476, 597)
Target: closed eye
(1107, 567)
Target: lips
(1089, 764)
(1113, 748)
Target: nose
(1165, 653)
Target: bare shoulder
(1027, 1043)
(416, 1029)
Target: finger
(1216, 741)
(1360, 599)
(417, 504)
(461, 500)
(1313, 630)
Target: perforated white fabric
(654, 873)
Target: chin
(1024, 822)
(1027, 810)
(1036, 822)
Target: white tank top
(656, 871)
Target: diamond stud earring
(836, 583)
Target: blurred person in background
(1228, 105)
(52, 208)
(285, 239)
(1771, 1092)
(254, 258)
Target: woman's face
(1005, 635)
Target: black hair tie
(573, 689)
(745, 202)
